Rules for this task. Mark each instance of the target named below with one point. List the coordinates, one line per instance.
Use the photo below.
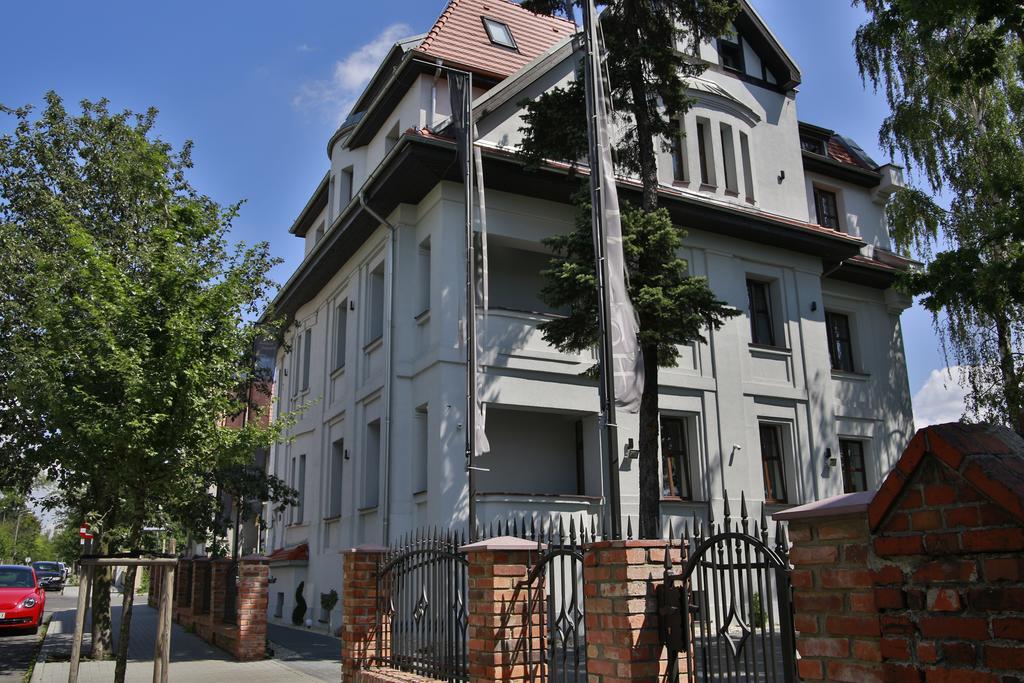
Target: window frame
(307, 344)
(376, 277)
(336, 482)
(779, 457)
(680, 170)
(370, 499)
(681, 488)
(705, 156)
(847, 470)
(340, 333)
(819, 194)
(741, 67)
(488, 22)
(834, 342)
(754, 314)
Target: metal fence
(231, 593)
(422, 615)
(207, 588)
(186, 585)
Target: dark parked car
(50, 576)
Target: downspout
(389, 324)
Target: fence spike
(572, 531)
(490, 529)
(593, 534)
(743, 513)
(629, 528)
(533, 528)
(668, 549)
(561, 531)
(764, 525)
(727, 512)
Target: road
(17, 649)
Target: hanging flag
(460, 92)
(627, 359)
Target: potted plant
(327, 603)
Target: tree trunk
(645, 140)
(1013, 393)
(101, 628)
(650, 486)
(127, 605)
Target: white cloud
(338, 94)
(305, 48)
(941, 398)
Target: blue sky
(259, 87)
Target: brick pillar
(358, 608)
(218, 571)
(506, 621)
(836, 619)
(620, 579)
(253, 589)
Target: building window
(375, 307)
(347, 185)
(762, 327)
(340, 333)
(422, 453)
(840, 345)
(337, 467)
(704, 153)
(499, 33)
(827, 208)
(371, 465)
(731, 53)
(675, 459)
(748, 171)
(678, 144)
(773, 463)
(854, 475)
(392, 138)
(813, 145)
(296, 367)
(423, 268)
(299, 484)
(729, 159)
(307, 348)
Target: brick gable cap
(988, 457)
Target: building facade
(801, 397)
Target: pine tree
(648, 90)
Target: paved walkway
(192, 659)
(315, 654)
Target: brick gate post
(506, 632)
(358, 608)
(620, 579)
(251, 602)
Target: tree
(952, 74)
(125, 328)
(648, 89)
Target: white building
(799, 398)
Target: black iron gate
(550, 602)
(422, 616)
(730, 608)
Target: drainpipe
(389, 324)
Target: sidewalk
(315, 654)
(192, 659)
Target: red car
(22, 600)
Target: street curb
(37, 670)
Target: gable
(753, 52)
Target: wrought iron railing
(207, 589)
(422, 616)
(231, 594)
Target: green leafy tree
(648, 90)
(125, 329)
(952, 73)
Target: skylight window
(499, 33)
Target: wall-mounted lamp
(831, 459)
(814, 305)
(346, 454)
(629, 451)
(782, 175)
(351, 305)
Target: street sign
(83, 531)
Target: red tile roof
(459, 36)
(298, 553)
(837, 151)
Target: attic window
(731, 53)
(499, 33)
(813, 145)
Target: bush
(299, 613)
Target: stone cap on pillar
(368, 549)
(847, 504)
(254, 558)
(502, 544)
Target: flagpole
(471, 369)
(607, 383)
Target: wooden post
(162, 655)
(84, 583)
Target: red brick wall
(358, 609)
(835, 617)
(950, 582)
(924, 583)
